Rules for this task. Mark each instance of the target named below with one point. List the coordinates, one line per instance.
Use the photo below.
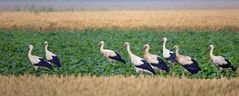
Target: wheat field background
(116, 86)
(164, 20)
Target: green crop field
(79, 53)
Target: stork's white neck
(164, 45)
(102, 47)
(176, 52)
(211, 52)
(30, 52)
(129, 51)
(146, 51)
(46, 47)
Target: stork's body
(37, 61)
(187, 62)
(109, 54)
(167, 54)
(155, 61)
(140, 64)
(219, 61)
(51, 57)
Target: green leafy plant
(79, 53)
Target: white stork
(219, 61)
(187, 62)
(109, 54)
(167, 54)
(51, 57)
(37, 61)
(155, 61)
(140, 64)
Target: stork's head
(46, 43)
(210, 47)
(175, 47)
(101, 43)
(126, 44)
(163, 40)
(146, 46)
(30, 46)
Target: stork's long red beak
(173, 49)
(208, 49)
(99, 44)
(161, 42)
(25, 51)
(121, 48)
(143, 48)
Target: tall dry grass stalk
(167, 20)
(116, 86)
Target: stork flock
(150, 63)
(51, 59)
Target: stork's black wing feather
(171, 58)
(228, 65)
(43, 63)
(161, 65)
(146, 66)
(228, 62)
(224, 65)
(192, 68)
(55, 60)
(117, 58)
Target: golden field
(116, 86)
(165, 20)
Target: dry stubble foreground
(116, 86)
(167, 20)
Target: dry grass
(169, 20)
(116, 86)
